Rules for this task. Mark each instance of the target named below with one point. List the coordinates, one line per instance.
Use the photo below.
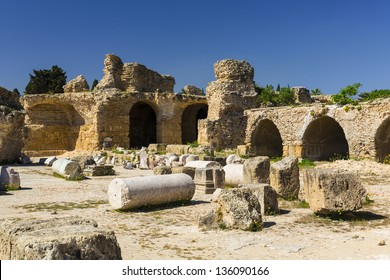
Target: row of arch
(323, 139)
(64, 122)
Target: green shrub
(194, 144)
(345, 95)
(375, 94)
(269, 97)
(306, 163)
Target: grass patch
(62, 206)
(306, 163)
(303, 204)
(79, 178)
(275, 159)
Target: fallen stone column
(130, 193)
(234, 174)
(69, 169)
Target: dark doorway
(324, 139)
(382, 141)
(142, 125)
(267, 140)
(189, 122)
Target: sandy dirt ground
(171, 232)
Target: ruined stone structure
(320, 132)
(11, 125)
(135, 106)
(228, 97)
(57, 123)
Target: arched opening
(189, 122)
(142, 125)
(267, 140)
(324, 139)
(52, 127)
(382, 141)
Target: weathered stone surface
(190, 171)
(267, 196)
(233, 70)
(204, 180)
(284, 177)
(85, 160)
(302, 95)
(203, 164)
(192, 90)
(130, 193)
(157, 148)
(332, 190)
(68, 169)
(50, 160)
(190, 158)
(99, 170)
(256, 170)
(143, 159)
(9, 179)
(101, 161)
(133, 77)
(162, 170)
(78, 84)
(228, 97)
(65, 238)
(236, 209)
(234, 159)
(11, 125)
(234, 174)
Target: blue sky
(324, 44)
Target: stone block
(256, 170)
(204, 180)
(131, 193)
(332, 190)
(65, 238)
(234, 174)
(234, 159)
(9, 179)
(236, 209)
(162, 170)
(157, 148)
(268, 198)
(190, 171)
(192, 158)
(284, 177)
(99, 170)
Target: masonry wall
(360, 125)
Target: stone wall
(228, 97)
(11, 126)
(57, 123)
(322, 131)
(133, 77)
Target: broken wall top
(9, 99)
(132, 77)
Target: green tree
(94, 84)
(269, 97)
(278, 87)
(316, 91)
(46, 81)
(345, 95)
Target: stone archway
(143, 123)
(189, 122)
(382, 141)
(52, 127)
(267, 140)
(324, 139)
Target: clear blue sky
(324, 44)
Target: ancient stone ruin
(11, 125)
